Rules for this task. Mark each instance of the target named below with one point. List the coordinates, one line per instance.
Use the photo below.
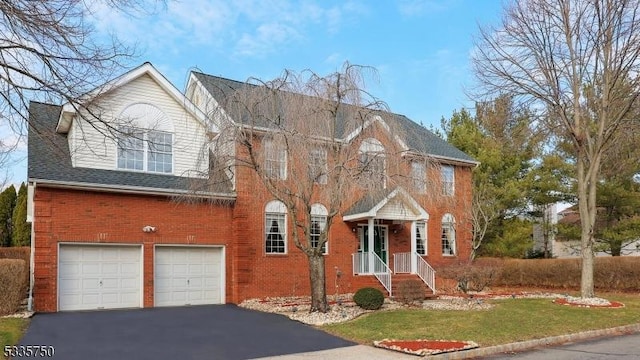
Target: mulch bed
(612, 304)
(422, 347)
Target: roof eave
(123, 189)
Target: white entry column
(414, 250)
(370, 240)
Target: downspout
(32, 255)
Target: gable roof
(70, 109)
(418, 139)
(49, 162)
(370, 205)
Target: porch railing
(402, 263)
(381, 271)
(426, 272)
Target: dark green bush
(12, 285)
(369, 298)
(410, 291)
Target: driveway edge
(531, 344)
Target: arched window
(448, 235)
(275, 228)
(372, 163)
(318, 224)
(145, 139)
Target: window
(448, 235)
(275, 160)
(419, 176)
(372, 163)
(145, 150)
(421, 238)
(318, 165)
(448, 180)
(130, 149)
(318, 224)
(275, 221)
(160, 157)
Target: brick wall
(92, 217)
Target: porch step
(397, 279)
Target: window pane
(275, 233)
(275, 158)
(318, 165)
(448, 181)
(130, 149)
(318, 224)
(421, 237)
(418, 174)
(160, 152)
(448, 239)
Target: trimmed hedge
(619, 273)
(369, 298)
(18, 252)
(12, 285)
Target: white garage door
(188, 276)
(98, 277)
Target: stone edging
(531, 344)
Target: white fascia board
(69, 109)
(131, 189)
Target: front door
(380, 241)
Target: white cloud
(249, 27)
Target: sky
(420, 48)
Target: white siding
(395, 210)
(93, 145)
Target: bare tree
(296, 135)
(577, 62)
(49, 52)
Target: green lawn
(11, 330)
(509, 321)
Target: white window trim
(319, 153)
(145, 150)
(319, 211)
(448, 187)
(423, 225)
(373, 149)
(271, 147)
(419, 176)
(450, 222)
(276, 208)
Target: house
(121, 216)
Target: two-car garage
(111, 276)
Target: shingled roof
(49, 161)
(418, 139)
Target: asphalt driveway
(198, 332)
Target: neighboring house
(571, 248)
(119, 223)
(545, 230)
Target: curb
(531, 344)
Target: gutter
(132, 189)
(32, 256)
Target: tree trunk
(587, 208)
(317, 278)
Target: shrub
(12, 285)
(18, 252)
(410, 291)
(619, 273)
(369, 298)
(473, 276)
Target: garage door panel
(194, 278)
(96, 277)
